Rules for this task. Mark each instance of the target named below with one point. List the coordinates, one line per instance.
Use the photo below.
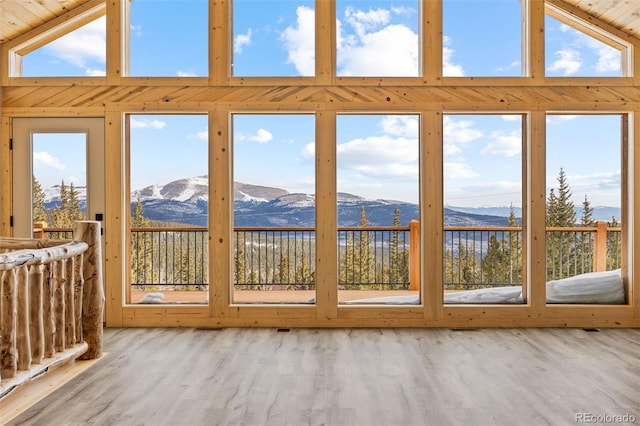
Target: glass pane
(483, 209)
(378, 209)
(274, 208)
(80, 53)
(482, 38)
(571, 53)
(169, 208)
(584, 222)
(59, 183)
(169, 38)
(378, 38)
(275, 38)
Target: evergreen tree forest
(176, 256)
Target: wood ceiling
(19, 16)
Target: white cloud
(95, 73)
(380, 156)
(401, 125)
(608, 59)
(203, 135)
(308, 152)
(261, 136)
(458, 170)
(568, 62)
(44, 159)
(511, 117)
(501, 143)
(368, 44)
(242, 40)
(560, 118)
(299, 41)
(82, 46)
(147, 124)
(458, 132)
(186, 74)
(362, 22)
(449, 69)
(135, 30)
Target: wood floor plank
(351, 377)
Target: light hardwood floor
(351, 377)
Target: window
(81, 52)
(491, 46)
(169, 200)
(483, 226)
(378, 208)
(168, 38)
(584, 209)
(275, 38)
(574, 48)
(274, 208)
(378, 38)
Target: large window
(168, 38)
(169, 203)
(378, 208)
(275, 38)
(274, 208)
(482, 38)
(81, 53)
(378, 38)
(584, 214)
(483, 209)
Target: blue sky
(377, 155)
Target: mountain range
(187, 201)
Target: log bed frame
(51, 303)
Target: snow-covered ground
(589, 288)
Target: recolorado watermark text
(605, 418)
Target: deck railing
(51, 304)
(368, 257)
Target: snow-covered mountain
(187, 201)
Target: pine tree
(587, 213)
(515, 248)
(141, 250)
(239, 261)
(61, 212)
(367, 269)
(398, 271)
(39, 211)
(74, 210)
(495, 264)
(561, 246)
(614, 245)
(585, 245)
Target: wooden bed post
(93, 295)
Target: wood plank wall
(430, 95)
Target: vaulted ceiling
(19, 16)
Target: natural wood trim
(220, 212)
(534, 41)
(117, 40)
(431, 42)
(325, 42)
(536, 210)
(366, 312)
(115, 220)
(633, 255)
(326, 216)
(6, 176)
(431, 212)
(220, 42)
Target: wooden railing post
(93, 295)
(414, 255)
(8, 323)
(600, 252)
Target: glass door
(59, 163)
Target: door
(58, 174)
